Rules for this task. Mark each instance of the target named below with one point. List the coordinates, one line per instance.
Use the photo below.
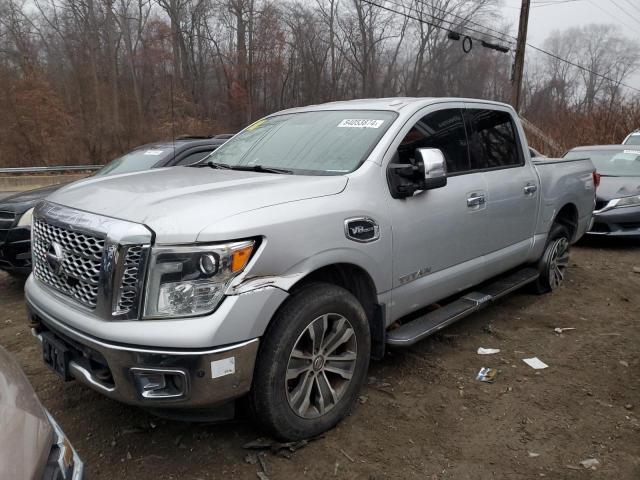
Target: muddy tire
(554, 261)
(311, 364)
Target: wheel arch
(356, 280)
(568, 217)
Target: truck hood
(177, 203)
(617, 187)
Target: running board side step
(423, 326)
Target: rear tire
(312, 363)
(554, 261)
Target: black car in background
(617, 210)
(16, 210)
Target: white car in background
(632, 139)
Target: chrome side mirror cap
(434, 165)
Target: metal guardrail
(67, 168)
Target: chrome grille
(77, 274)
(128, 292)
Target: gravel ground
(423, 415)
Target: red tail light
(596, 179)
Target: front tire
(312, 363)
(554, 261)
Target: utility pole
(518, 66)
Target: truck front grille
(128, 293)
(67, 260)
(96, 261)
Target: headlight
(633, 201)
(191, 280)
(25, 219)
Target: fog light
(158, 384)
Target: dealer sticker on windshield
(153, 152)
(360, 123)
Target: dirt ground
(423, 415)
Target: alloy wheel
(558, 262)
(321, 365)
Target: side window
(443, 129)
(493, 140)
(192, 158)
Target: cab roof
(394, 104)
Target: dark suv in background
(16, 210)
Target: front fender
(293, 275)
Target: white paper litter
(487, 351)
(590, 463)
(535, 363)
(560, 330)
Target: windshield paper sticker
(632, 152)
(360, 123)
(153, 152)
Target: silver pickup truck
(277, 269)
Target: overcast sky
(544, 18)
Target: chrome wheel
(321, 365)
(558, 262)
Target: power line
(463, 18)
(553, 55)
(427, 22)
(625, 12)
(612, 15)
(632, 5)
(454, 25)
(549, 4)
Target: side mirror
(435, 167)
(428, 170)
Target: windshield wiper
(246, 168)
(221, 166)
(259, 168)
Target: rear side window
(493, 141)
(444, 130)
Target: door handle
(530, 189)
(476, 200)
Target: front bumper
(115, 370)
(617, 222)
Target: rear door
(512, 182)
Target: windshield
(320, 143)
(613, 163)
(135, 161)
(632, 140)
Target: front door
(439, 235)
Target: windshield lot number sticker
(224, 367)
(153, 152)
(360, 123)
